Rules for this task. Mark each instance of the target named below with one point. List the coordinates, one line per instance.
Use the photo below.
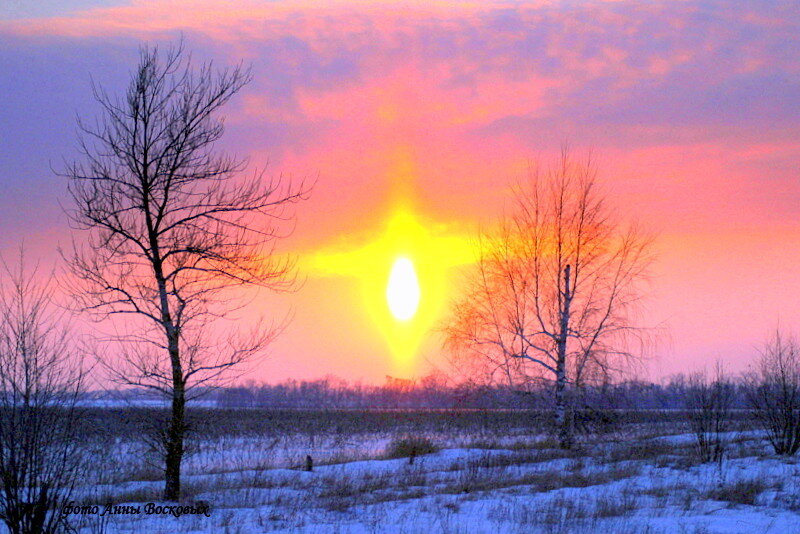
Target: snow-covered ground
(511, 484)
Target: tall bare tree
(553, 295)
(40, 383)
(173, 228)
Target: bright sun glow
(418, 255)
(409, 317)
(402, 291)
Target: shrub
(41, 382)
(708, 405)
(773, 391)
(410, 447)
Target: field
(434, 471)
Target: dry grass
(471, 480)
(742, 492)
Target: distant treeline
(425, 394)
(430, 393)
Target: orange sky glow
(415, 118)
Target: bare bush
(708, 403)
(410, 447)
(773, 392)
(40, 382)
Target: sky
(414, 118)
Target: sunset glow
(413, 120)
(402, 290)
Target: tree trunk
(174, 446)
(175, 432)
(563, 420)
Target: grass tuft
(742, 492)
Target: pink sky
(692, 110)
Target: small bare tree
(708, 403)
(40, 384)
(554, 290)
(772, 390)
(173, 229)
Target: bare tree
(40, 384)
(708, 402)
(554, 291)
(772, 389)
(174, 228)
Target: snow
(463, 489)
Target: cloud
(466, 87)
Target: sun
(404, 274)
(402, 290)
